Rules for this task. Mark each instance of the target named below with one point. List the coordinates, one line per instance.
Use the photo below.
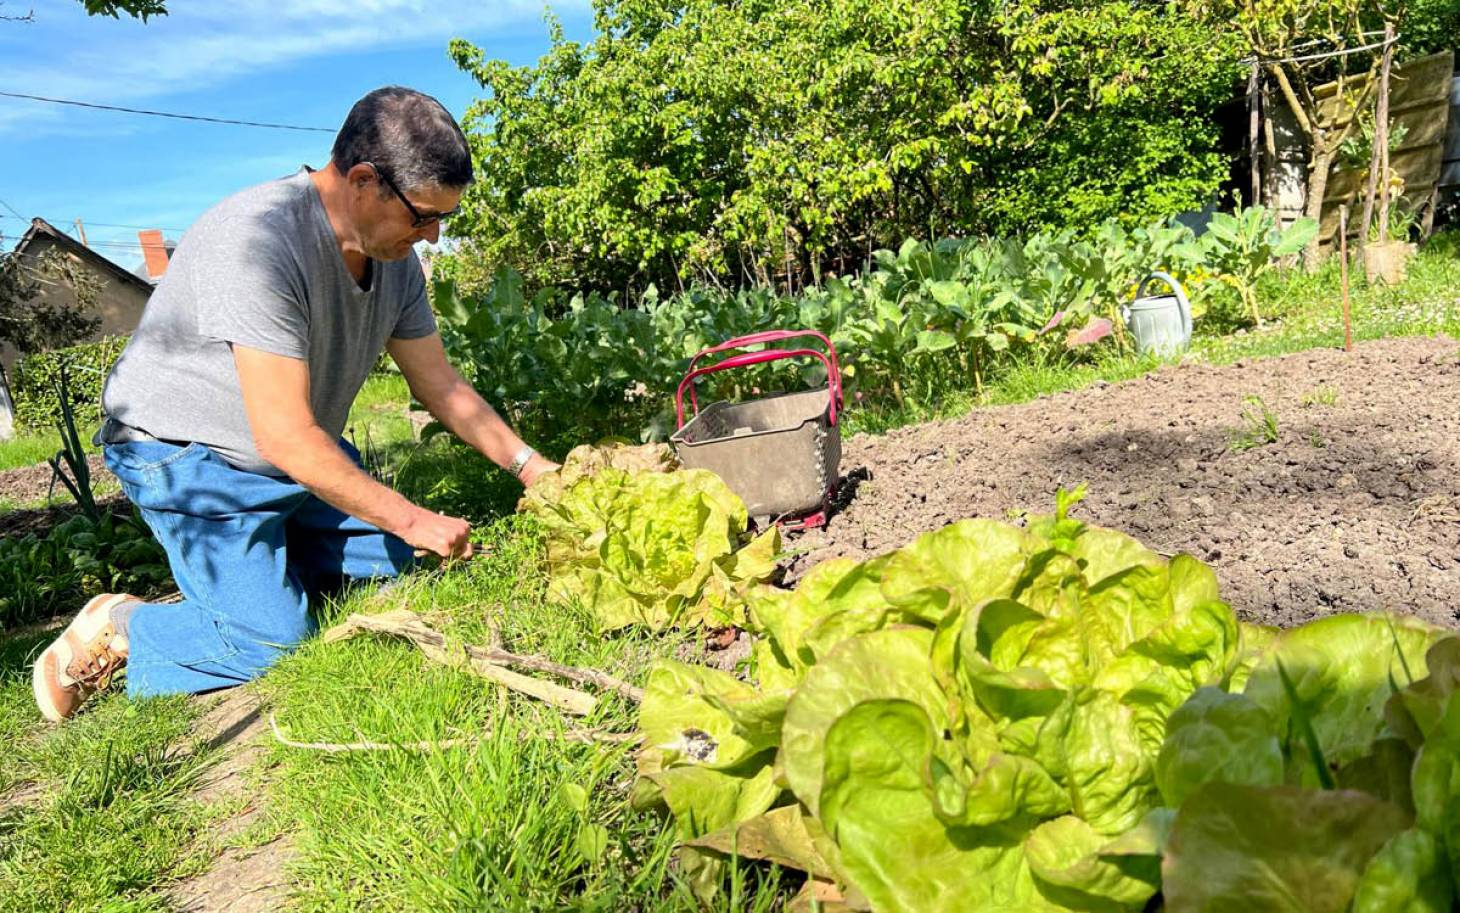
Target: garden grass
(28, 448)
(489, 825)
(95, 815)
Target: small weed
(1320, 396)
(1317, 441)
(1259, 426)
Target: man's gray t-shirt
(261, 269)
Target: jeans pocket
(143, 457)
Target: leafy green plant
(1057, 719)
(1322, 773)
(637, 542)
(76, 473)
(916, 323)
(36, 404)
(1259, 426)
(1241, 247)
(995, 697)
(41, 576)
(1402, 221)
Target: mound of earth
(1355, 507)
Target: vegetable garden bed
(1355, 507)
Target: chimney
(153, 252)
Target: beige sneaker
(81, 661)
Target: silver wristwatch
(520, 461)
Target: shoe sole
(41, 678)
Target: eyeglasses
(418, 219)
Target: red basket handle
(833, 373)
(754, 358)
(765, 336)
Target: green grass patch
(28, 448)
(487, 826)
(94, 815)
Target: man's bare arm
(459, 407)
(276, 399)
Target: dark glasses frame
(418, 218)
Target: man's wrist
(520, 461)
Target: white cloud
(200, 45)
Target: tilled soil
(31, 483)
(1355, 507)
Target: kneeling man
(224, 414)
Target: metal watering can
(1161, 324)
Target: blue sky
(285, 61)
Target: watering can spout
(1159, 323)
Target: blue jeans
(247, 551)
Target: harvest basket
(781, 454)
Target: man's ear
(361, 176)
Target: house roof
(40, 228)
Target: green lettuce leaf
(891, 663)
(1273, 849)
(1069, 867)
(1414, 712)
(1108, 771)
(966, 562)
(686, 717)
(1409, 875)
(899, 854)
(642, 546)
(1343, 669)
(1217, 737)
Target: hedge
(36, 405)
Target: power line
(91, 224)
(197, 117)
(12, 209)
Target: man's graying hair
(408, 135)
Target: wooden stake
(1348, 330)
(1254, 123)
(81, 230)
(1381, 132)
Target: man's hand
(438, 534)
(535, 467)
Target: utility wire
(89, 224)
(197, 117)
(12, 209)
(1324, 55)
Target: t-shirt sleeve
(416, 319)
(253, 292)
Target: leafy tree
(767, 140)
(137, 9)
(1429, 26)
(34, 314)
(1290, 40)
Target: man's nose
(431, 231)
